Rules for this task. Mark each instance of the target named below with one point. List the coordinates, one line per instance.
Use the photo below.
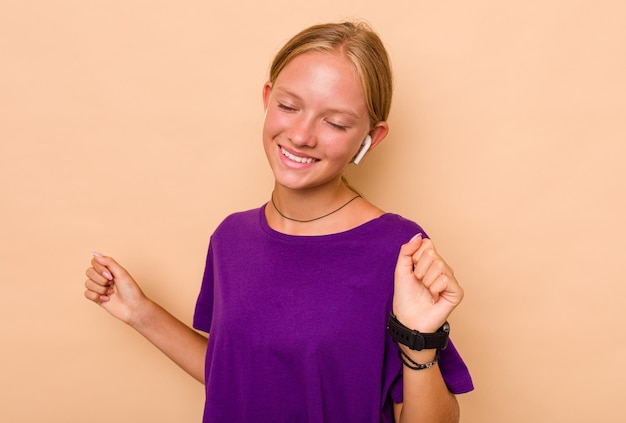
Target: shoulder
(393, 225)
(385, 235)
(243, 216)
(242, 221)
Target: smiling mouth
(295, 158)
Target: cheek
(269, 132)
(274, 123)
(341, 148)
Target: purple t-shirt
(298, 324)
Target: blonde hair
(361, 45)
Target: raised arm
(425, 294)
(112, 287)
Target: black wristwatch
(416, 340)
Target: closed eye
(337, 126)
(286, 108)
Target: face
(316, 119)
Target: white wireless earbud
(367, 142)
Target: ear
(267, 91)
(378, 133)
(365, 146)
(374, 137)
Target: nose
(302, 131)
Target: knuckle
(439, 264)
(430, 254)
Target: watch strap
(416, 340)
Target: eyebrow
(337, 111)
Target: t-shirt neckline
(357, 230)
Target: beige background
(133, 128)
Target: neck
(314, 203)
(284, 216)
(305, 206)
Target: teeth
(296, 158)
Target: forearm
(426, 396)
(179, 342)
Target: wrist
(418, 360)
(415, 339)
(423, 356)
(140, 315)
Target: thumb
(114, 268)
(404, 266)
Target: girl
(321, 307)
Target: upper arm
(397, 410)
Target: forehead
(323, 75)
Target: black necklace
(317, 218)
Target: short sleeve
(204, 304)
(454, 371)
